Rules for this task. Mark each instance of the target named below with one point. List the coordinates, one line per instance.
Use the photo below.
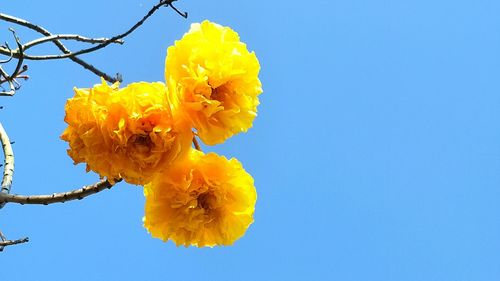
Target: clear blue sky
(376, 152)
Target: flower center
(143, 140)
(217, 94)
(142, 143)
(205, 201)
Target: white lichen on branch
(8, 153)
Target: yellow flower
(215, 79)
(128, 133)
(203, 200)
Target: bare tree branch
(73, 55)
(59, 45)
(75, 37)
(12, 242)
(102, 44)
(20, 58)
(5, 77)
(24, 69)
(4, 242)
(107, 42)
(62, 197)
(8, 171)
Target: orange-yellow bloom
(128, 133)
(215, 79)
(202, 200)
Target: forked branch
(66, 53)
(5, 242)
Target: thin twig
(74, 37)
(11, 79)
(12, 87)
(62, 197)
(9, 53)
(53, 38)
(5, 243)
(18, 76)
(196, 144)
(182, 14)
(20, 58)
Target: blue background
(376, 152)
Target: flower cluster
(142, 133)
